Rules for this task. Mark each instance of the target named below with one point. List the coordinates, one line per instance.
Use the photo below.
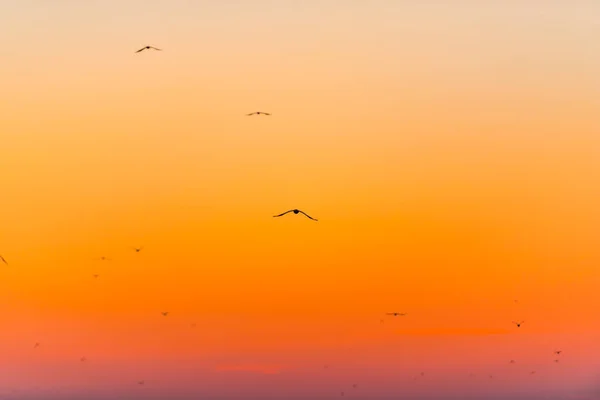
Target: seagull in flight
(257, 113)
(148, 48)
(138, 249)
(295, 211)
(557, 352)
(165, 313)
(518, 323)
(3, 260)
(396, 314)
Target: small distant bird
(3, 260)
(518, 323)
(558, 352)
(148, 48)
(512, 361)
(257, 113)
(82, 359)
(556, 361)
(165, 313)
(103, 258)
(138, 249)
(96, 276)
(396, 314)
(35, 346)
(295, 211)
(532, 372)
(140, 382)
(355, 386)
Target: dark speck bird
(148, 48)
(138, 249)
(165, 313)
(35, 346)
(557, 352)
(556, 361)
(3, 260)
(96, 276)
(518, 323)
(512, 361)
(257, 113)
(396, 314)
(295, 211)
(141, 382)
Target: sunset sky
(450, 150)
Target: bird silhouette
(147, 48)
(36, 345)
(3, 260)
(165, 313)
(96, 276)
(103, 258)
(512, 361)
(257, 113)
(141, 382)
(138, 249)
(295, 211)
(518, 323)
(556, 361)
(396, 314)
(558, 352)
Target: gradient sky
(449, 149)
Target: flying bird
(512, 361)
(532, 372)
(140, 382)
(257, 113)
(295, 211)
(138, 249)
(518, 323)
(103, 258)
(556, 361)
(165, 313)
(96, 276)
(148, 48)
(3, 260)
(396, 314)
(35, 346)
(558, 352)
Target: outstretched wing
(308, 215)
(249, 115)
(282, 214)
(155, 48)
(3, 260)
(142, 49)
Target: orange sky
(450, 153)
